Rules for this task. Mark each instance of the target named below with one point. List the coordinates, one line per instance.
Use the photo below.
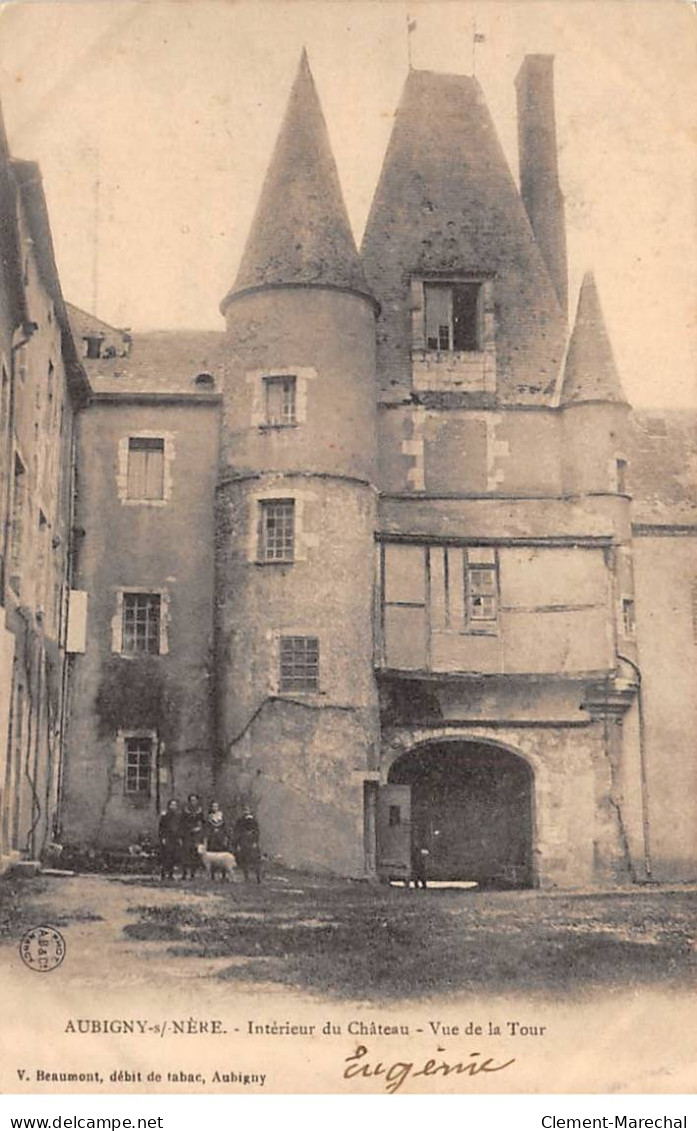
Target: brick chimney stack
(539, 178)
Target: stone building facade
(390, 559)
(42, 389)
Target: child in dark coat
(246, 845)
(215, 829)
(170, 837)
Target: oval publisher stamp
(42, 949)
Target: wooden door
(394, 832)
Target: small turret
(594, 405)
(590, 373)
(301, 233)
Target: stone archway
(472, 809)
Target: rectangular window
(628, 617)
(621, 476)
(299, 663)
(452, 314)
(481, 595)
(19, 491)
(141, 624)
(138, 765)
(41, 561)
(277, 532)
(279, 401)
(22, 363)
(146, 467)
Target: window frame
(19, 515)
(267, 541)
(144, 738)
(146, 445)
(448, 287)
(122, 468)
(303, 678)
(628, 610)
(288, 384)
(474, 591)
(151, 633)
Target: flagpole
(474, 44)
(410, 28)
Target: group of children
(183, 832)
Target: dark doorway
(471, 807)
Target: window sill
(145, 502)
(140, 655)
(278, 427)
(441, 355)
(275, 562)
(286, 694)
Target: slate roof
(446, 201)
(590, 373)
(663, 466)
(153, 362)
(301, 232)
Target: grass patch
(372, 943)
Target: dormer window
(453, 339)
(453, 316)
(92, 346)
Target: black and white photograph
(348, 559)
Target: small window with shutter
(280, 402)
(146, 467)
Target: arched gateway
(470, 804)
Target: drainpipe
(68, 582)
(642, 766)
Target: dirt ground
(344, 940)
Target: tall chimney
(539, 177)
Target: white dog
(223, 862)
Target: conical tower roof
(590, 373)
(301, 232)
(447, 204)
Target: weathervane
(477, 37)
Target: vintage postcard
(348, 492)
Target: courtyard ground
(354, 941)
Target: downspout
(642, 766)
(63, 631)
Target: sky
(153, 123)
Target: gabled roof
(301, 233)
(590, 373)
(447, 202)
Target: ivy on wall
(135, 694)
